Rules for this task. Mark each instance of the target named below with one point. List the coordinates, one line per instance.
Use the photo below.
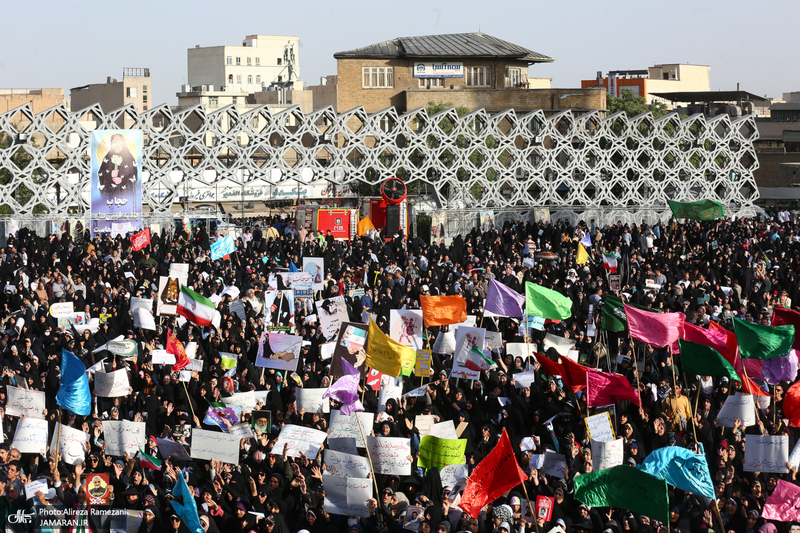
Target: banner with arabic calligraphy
(699, 210)
(116, 187)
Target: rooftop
(710, 96)
(786, 106)
(448, 45)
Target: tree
(21, 159)
(634, 105)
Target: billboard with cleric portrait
(116, 176)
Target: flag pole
(749, 388)
(528, 499)
(188, 399)
(636, 372)
(58, 442)
(694, 424)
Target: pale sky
(70, 43)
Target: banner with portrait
(116, 185)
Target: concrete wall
(305, 99)
(206, 66)
(110, 96)
(39, 99)
(518, 99)
(325, 94)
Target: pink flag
(603, 388)
(784, 503)
(656, 329)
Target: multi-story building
(473, 70)
(135, 88)
(667, 78)
(260, 61)
(39, 99)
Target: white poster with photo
(737, 407)
(390, 455)
(298, 439)
(215, 445)
(169, 288)
(24, 402)
(124, 437)
(315, 267)
(405, 327)
(31, 436)
(332, 313)
(278, 307)
(347, 426)
(311, 400)
(607, 454)
(280, 352)
(345, 465)
(346, 496)
(767, 453)
(74, 444)
(112, 384)
(495, 340)
(466, 338)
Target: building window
(131, 92)
(258, 80)
(377, 77)
(238, 78)
(513, 77)
(280, 79)
(213, 101)
(229, 60)
(144, 89)
(250, 80)
(249, 61)
(431, 82)
(234, 100)
(238, 60)
(144, 98)
(478, 76)
(258, 61)
(279, 60)
(230, 78)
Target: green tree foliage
(634, 105)
(21, 159)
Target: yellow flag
(582, 255)
(385, 354)
(364, 226)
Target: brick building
(473, 70)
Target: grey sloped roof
(445, 46)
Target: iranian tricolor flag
(148, 461)
(476, 361)
(195, 308)
(610, 263)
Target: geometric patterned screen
(569, 162)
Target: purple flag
(345, 390)
(503, 301)
(779, 369)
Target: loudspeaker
(392, 220)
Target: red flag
(141, 239)
(751, 387)
(175, 347)
(731, 354)
(550, 367)
(493, 477)
(603, 388)
(577, 373)
(786, 317)
(791, 405)
(713, 337)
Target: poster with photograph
(315, 266)
(332, 313)
(116, 181)
(487, 221)
(279, 351)
(351, 340)
(405, 327)
(279, 308)
(298, 282)
(466, 338)
(438, 221)
(168, 290)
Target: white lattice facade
(573, 164)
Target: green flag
(614, 317)
(547, 303)
(704, 360)
(625, 487)
(699, 210)
(757, 341)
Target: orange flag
(364, 226)
(443, 310)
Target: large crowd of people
(711, 271)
